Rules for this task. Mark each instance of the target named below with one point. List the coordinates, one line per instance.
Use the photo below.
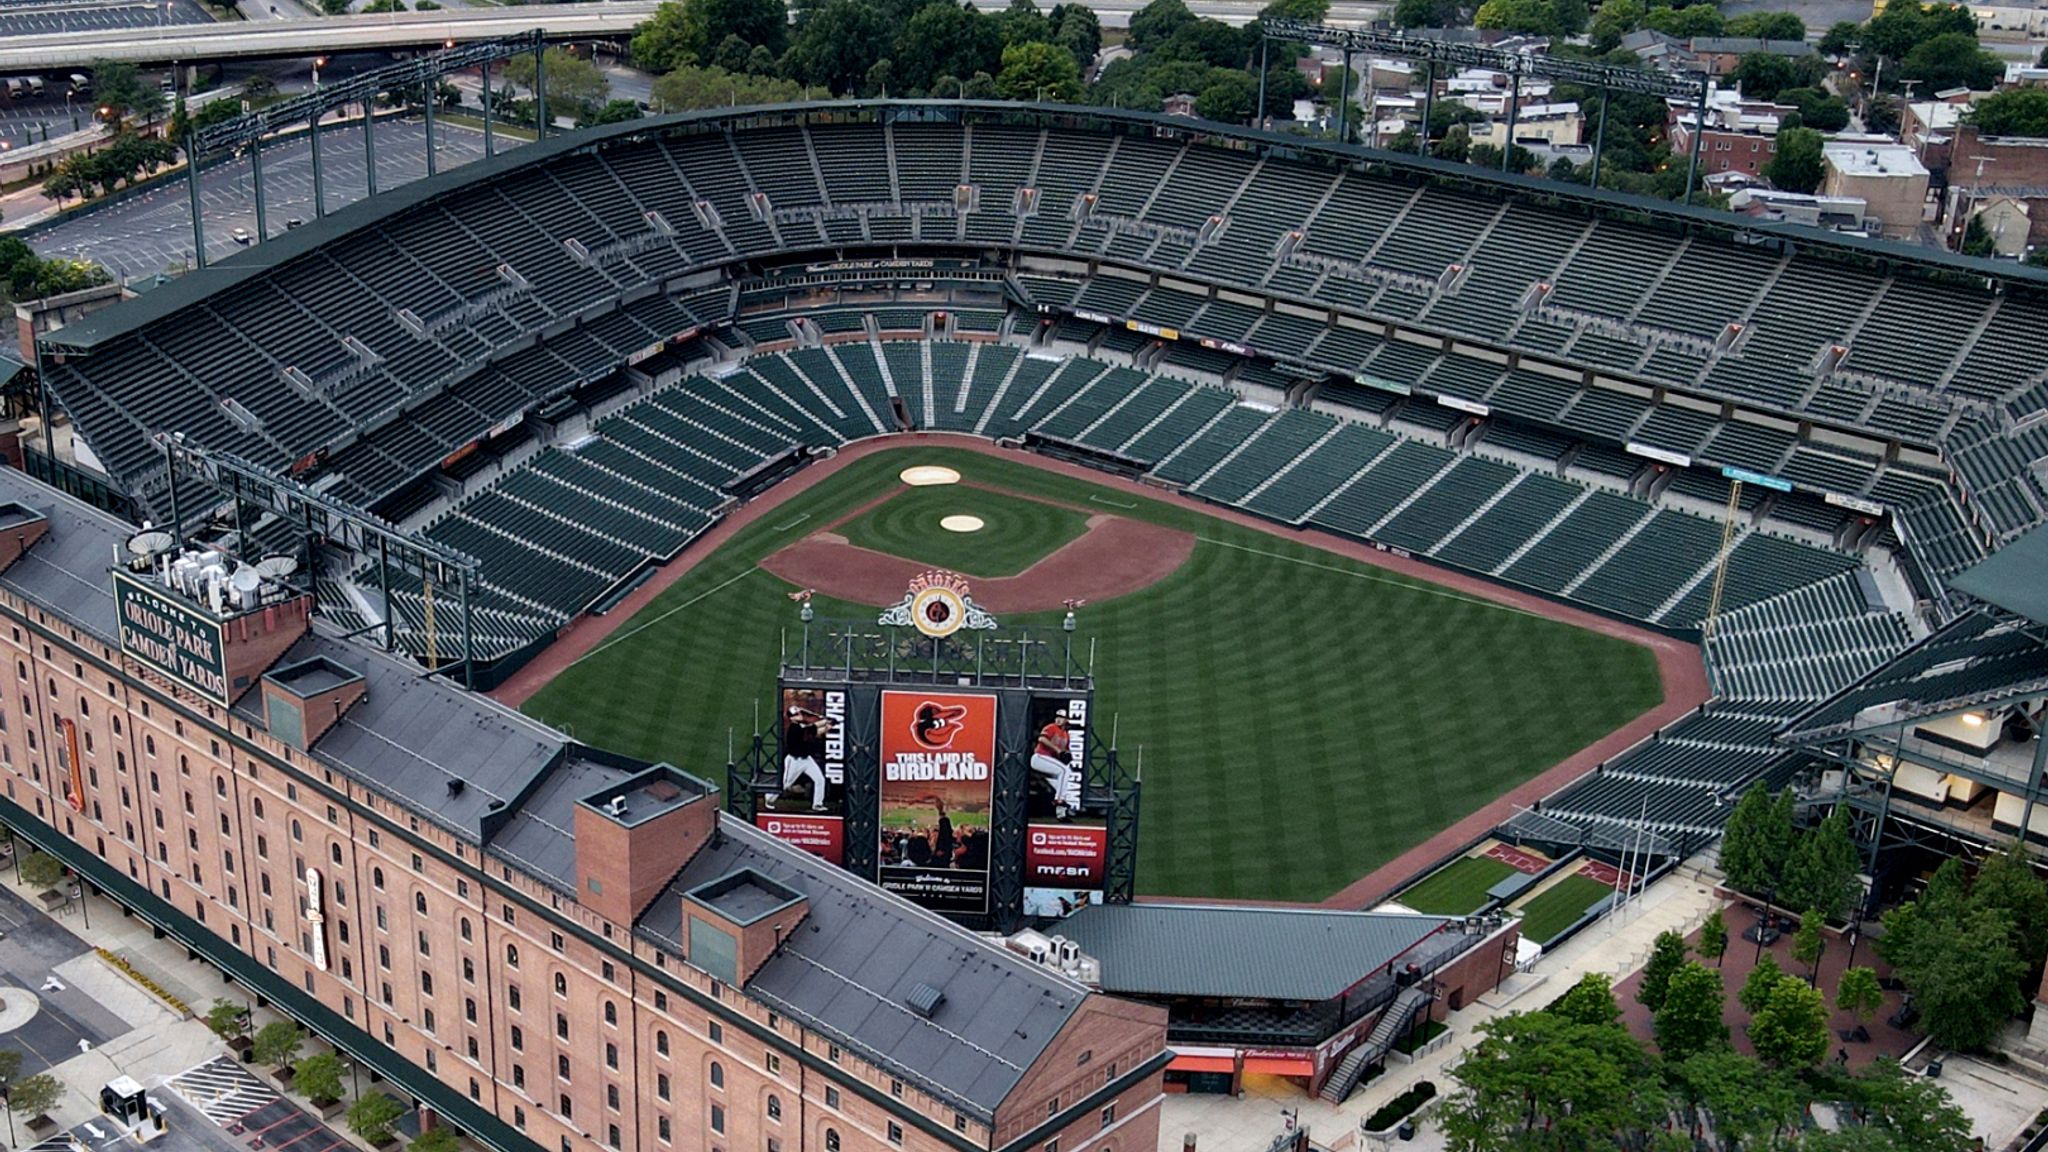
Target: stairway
(1398, 1016)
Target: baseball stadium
(1406, 533)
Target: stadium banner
(1383, 385)
(938, 755)
(1660, 455)
(1461, 404)
(1854, 503)
(1756, 479)
(810, 809)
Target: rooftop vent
(616, 806)
(924, 1000)
(455, 787)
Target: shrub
(372, 1117)
(1397, 1109)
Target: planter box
(41, 1125)
(330, 1109)
(241, 1046)
(283, 1076)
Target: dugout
(1316, 996)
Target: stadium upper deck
(372, 345)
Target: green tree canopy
(689, 88)
(1791, 1029)
(277, 1043)
(1229, 100)
(35, 1095)
(1690, 1022)
(372, 1116)
(1797, 167)
(1900, 27)
(436, 1139)
(1536, 1080)
(1756, 989)
(1810, 940)
(1616, 19)
(837, 44)
(688, 31)
(1768, 26)
(1756, 841)
(1034, 71)
(1589, 1002)
(573, 83)
(2013, 112)
(1859, 994)
(318, 1077)
(1751, 1105)
(1077, 29)
(1713, 942)
(1667, 956)
(946, 40)
(1536, 17)
(1951, 60)
(1818, 109)
(1957, 949)
(1432, 13)
(42, 870)
(1686, 23)
(1156, 22)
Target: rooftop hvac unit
(924, 999)
(616, 806)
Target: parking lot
(58, 1017)
(151, 231)
(33, 17)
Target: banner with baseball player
(1066, 853)
(810, 809)
(938, 756)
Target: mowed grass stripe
(1559, 907)
(1457, 889)
(1300, 718)
(1017, 533)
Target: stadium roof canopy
(2014, 578)
(1979, 659)
(1229, 951)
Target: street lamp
(8, 1105)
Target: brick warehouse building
(547, 945)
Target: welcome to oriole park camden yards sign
(171, 637)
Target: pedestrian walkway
(1614, 947)
(222, 1090)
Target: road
(66, 17)
(151, 232)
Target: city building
(1838, 213)
(1984, 167)
(1887, 177)
(1740, 135)
(544, 944)
(1719, 55)
(1536, 124)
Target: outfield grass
(1457, 889)
(1560, 906)
(1300, 718)
(1016, 533)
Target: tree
(42, 870)
(385, 6)
(1798, 166)
(2013, 112)
(1432, 13)
(1809, 942)
(372, 1116)
(1713, 937)
(1589, 1002)
(436, 1139)
(1977, 239)
(1762, 75)
(1964, 974)
(1859, 994)
(1951, 60)
(1768, 26)
(662, 43)
(10, 1065)
(277, 1043)
(1042, 71)
(1077, 29)
(1023, 23)
(1689, 1022)
(1153, 24)
(945, 40)
(573, 83)
(1536, 17)
(690, 88)
(837, 45)
(334, 7)
(35, 1095)
(1791, 1029)
(1899, 27)
(1836, 40)
(1536, 1080)
(1686, 23)
(614, 112)
(2008, 883)
(1818, 109)
(318, 1077)
(1756, 990)
(1667, 956)
(1916, 1111)
(1616, 19)
(1228, 101)
(1750, 1105)
(1756, 841)
(227, 1019)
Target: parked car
(241, 236)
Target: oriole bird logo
(935, 725)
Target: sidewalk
(1615, 946)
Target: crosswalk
(222, 1090)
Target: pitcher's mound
(962, 523)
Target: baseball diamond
(1302, 717)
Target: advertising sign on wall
(810, 809)
(938, 752)
(173, 638)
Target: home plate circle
(926, 475)
(962, 523)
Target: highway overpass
(399, 31)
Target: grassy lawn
(1015, 533)
(1459, 889)
(1560, 906)
(1300, 718)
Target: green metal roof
(2014, 578)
